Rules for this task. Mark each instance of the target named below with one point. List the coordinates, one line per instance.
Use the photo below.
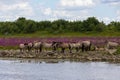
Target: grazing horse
(37, 46)
(86, 45)
(23, 47)
(112, 45)
(63, 46)
(30, 46)
(99, 48)
(46, 45)
(76, 45)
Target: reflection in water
(62, 70)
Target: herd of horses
(40, 46)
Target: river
(19, 69)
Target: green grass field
(67, 34)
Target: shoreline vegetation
(80, 56)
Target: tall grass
(66, 34)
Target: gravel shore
(81, 56)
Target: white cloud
(118, 18)
(53, 14)
(118, 12)
(107, 20)
(76, 3)
(115, 3)
(63, 9)
(118, 15)
(10, 11)
(111, 2)
(47, 11)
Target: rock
(111, 51)
(89, 58)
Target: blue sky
(103, 10)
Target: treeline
(22, 25)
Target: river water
(12, 69)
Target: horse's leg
(23, 50)
(28, 49)
(82, 48)
(89, 48)
(86, 48)
(35, 50)
(40, 49)
(20, 50)
(54, 49)
(77, 49)
(46, 49)
(62, 51)
(70, 49)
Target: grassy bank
(81, 56)
(9, 47)
(67, 34)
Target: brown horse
(63, 46)
(23, 47)
(30, 46)
(47, 46)
(112, 45)
(76, 45)
(86, 45)
(37, 46)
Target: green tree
(30, 27)
(90, 23)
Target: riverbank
(81, 56)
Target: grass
(43, 34)
(118, 50)
(8, 47)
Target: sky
(72, 10)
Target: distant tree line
(22, 25)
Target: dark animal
(86, 45)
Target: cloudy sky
(104, 10)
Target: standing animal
(47, 46)
(23, 47)
(30, 46)
(86, 45)
(76, 46)
(63, 46)
(37, 46)
(112, 45)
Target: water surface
(40, 70)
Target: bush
(118, 50)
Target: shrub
(118, 50)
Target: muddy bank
(81, 56)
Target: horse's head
(54, 43)
(25, 43)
